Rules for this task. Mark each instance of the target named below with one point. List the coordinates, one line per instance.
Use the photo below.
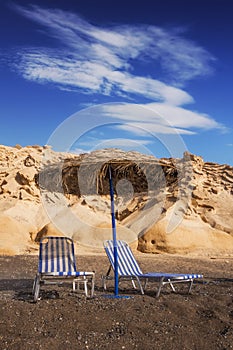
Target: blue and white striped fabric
(128, 266)
(57, 258)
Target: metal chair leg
(36, 288)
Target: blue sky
(152, 76)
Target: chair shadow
(13, 284)
(217, 280)
(20, 289)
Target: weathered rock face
(19, 196)
(21, 211)
(207, 219)
(167, 205)
(212, 196)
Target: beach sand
(63, 319)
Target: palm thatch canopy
(87, 174)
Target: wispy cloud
(94, 77)
(158, 118)
(104, 60)
(96, 143)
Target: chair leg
(140, 285)
(160, 287)
(74, 287)
(76, 281)
(36, 288)
(85, 282)
(104, 286)
(92, 286)
(171, 285)
(190, 287)
(85, 286)
(134, 286)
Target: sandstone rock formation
(162, 205)
(207, 221)
(21, 211)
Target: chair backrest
(127, 264)
(56, 255)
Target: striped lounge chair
(57, 264)
(128, 269)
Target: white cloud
(149, 129)
(180, 117)
(90, 144)
(158, 118)
(116, 142)
(95, 77)
(103, 60)
(181, 57)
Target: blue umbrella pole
(114, 233)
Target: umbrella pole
(114, 233)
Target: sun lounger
(128, 269)
(57, 265)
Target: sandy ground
(62, 319)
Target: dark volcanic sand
(63, 319)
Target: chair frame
(129, 270)
(52, 266)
